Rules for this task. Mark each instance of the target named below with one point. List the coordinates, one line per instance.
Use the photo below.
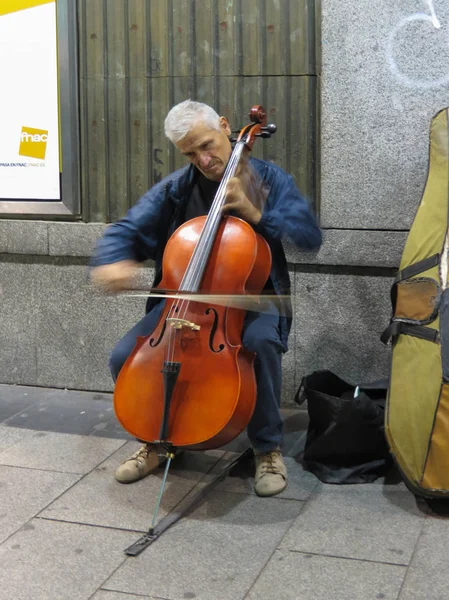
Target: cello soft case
(417, 407)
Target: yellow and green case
(417, 408)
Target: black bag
(345, 438)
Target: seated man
(203, 137)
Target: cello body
(212, 395)
(191, 383)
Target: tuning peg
(270, 129)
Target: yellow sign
(10, 6)
(33, 142)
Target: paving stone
(111, 429)
(238, 444)
(66, 412)
(428, 576)
(216, 552)
(369, 522)
(241, 479)
(297, 576)
(59, 452)
(295, 431)
(295, 426)
(50, 560)
(24, 492)
(105, 595)
(129, 506)
(13, 399)
(26, 393)
(10, 436)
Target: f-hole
(213, 330)
(152, 342)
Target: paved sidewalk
(65, 521)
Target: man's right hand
(115, 277)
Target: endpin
(170, 456)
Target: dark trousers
(260, 335)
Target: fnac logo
(33, 142)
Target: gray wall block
(339, 319)
(73, 239)
(353, 248)
(288, 361)
(340, 247)
(384, 75)
(23, 237)
(76, 329)
(57, 332)
(18, 297)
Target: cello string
(195, 262)
(192, 274)
(215, 212)
(209, 232)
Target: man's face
(208, 149)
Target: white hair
(186, 115)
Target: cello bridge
(180, 323)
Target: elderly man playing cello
(203, 137)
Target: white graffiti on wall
(400, 27)
(433, 16)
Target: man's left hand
(237, 200)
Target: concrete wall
(384, 75)
(57, 332)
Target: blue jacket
(143, 233)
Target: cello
(190, 384)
